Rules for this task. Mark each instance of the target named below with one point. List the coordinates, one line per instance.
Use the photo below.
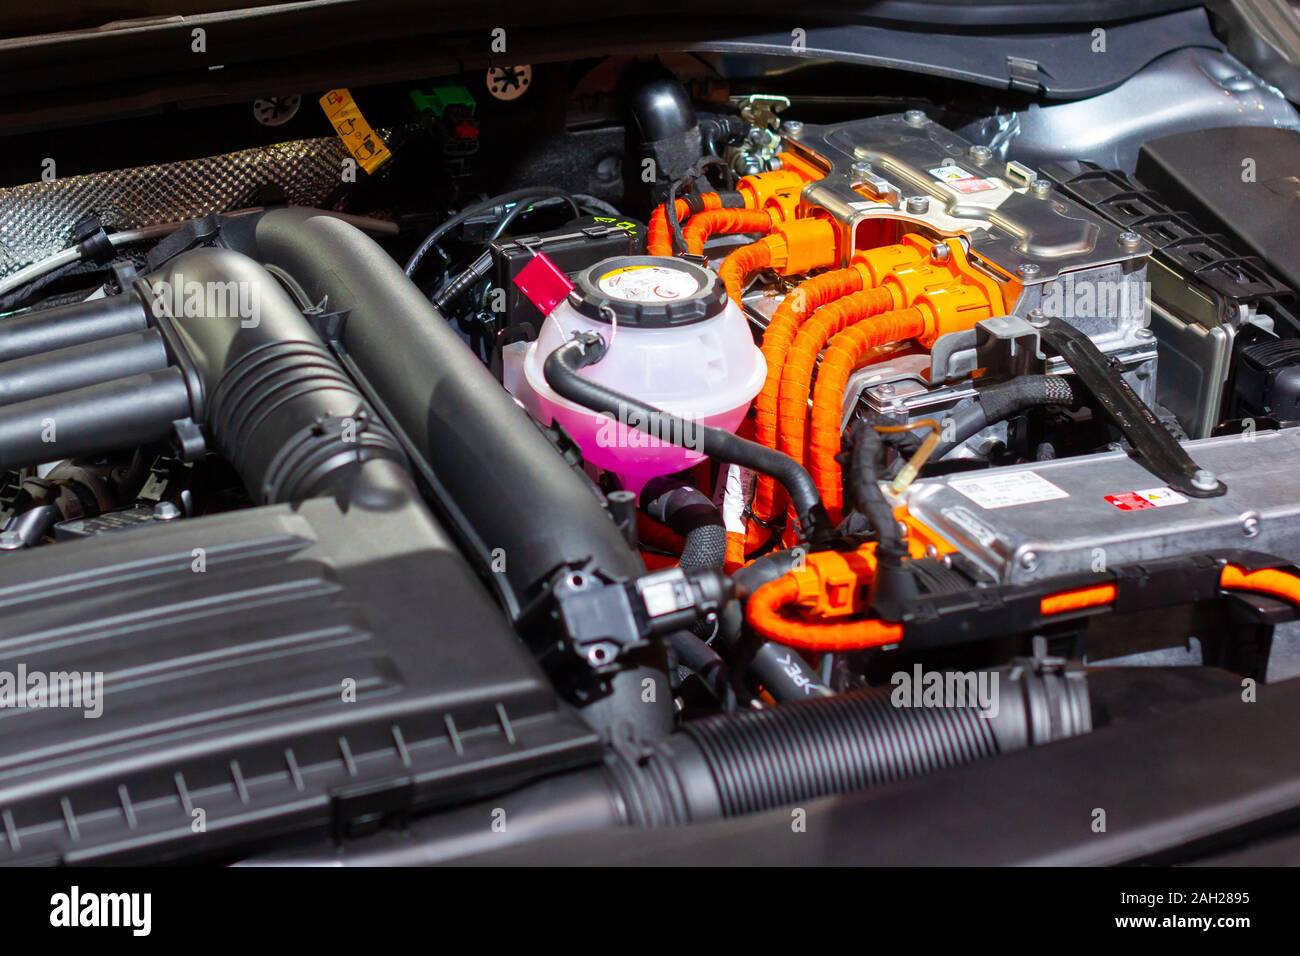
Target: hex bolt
(1029, 269)
(1130, 240)
(1037, 318)
(915, 118)
(1041, 188)
(1204, 480)
(918, 204)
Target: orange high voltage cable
(772, 609)
(659, 237)
(741, 264)
(792, 248)
(846, 352)
(808, 296)
(720, 222)
(801, 360)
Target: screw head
(1042, 188)
(1204, 480)
(1250, 525)
(166, 511)
(941, 252)
(918, 204)
(1037, 318)
(1029, 269)
(915, 118)
(886, 389)
(1145, 335)
(1129, 239)
(792, 128)
(980, 154)
(1028, 560)
(861, 169)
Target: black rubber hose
(32, 333)
(866, 460)
(999, 402)
(690, 513)
(694, 654)
(561, 371)
(90, 363)
(783, 673)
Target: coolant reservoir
(675, 341)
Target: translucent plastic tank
(675, 341)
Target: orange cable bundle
(741, 264)
(801, 360)
(845, 352)
(810, 295)
(717, 222)
(659, 237)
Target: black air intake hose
(280, 407)
(748, 762)
(494, 475)
(756, 760)
(514, 504)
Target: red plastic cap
(543, 284)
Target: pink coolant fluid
(674, 341)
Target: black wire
(692, 174)
(487, 205)
(522, 207)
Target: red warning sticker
(1142, 500)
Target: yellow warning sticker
(362, 142)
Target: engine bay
(632, 443)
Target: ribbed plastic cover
(263, 671)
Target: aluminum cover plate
(1007, 224)
(1035, 521)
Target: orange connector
(792, 248)
(932, 298)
